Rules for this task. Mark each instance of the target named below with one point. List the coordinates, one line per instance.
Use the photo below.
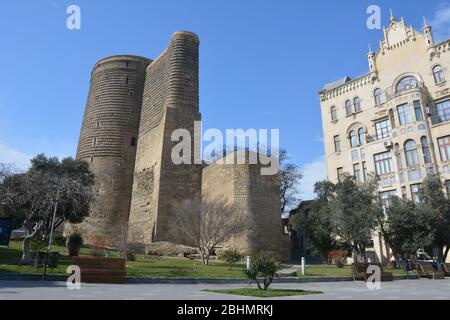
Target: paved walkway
(404, 290)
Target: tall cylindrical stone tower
(108, 141)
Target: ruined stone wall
(257, 198)
(171, 101)
(108, 141)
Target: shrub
(338, 257)
(130, 253)
(74, 244)
(59, 241)
(38, 244)
(231, 257)
(131, 256)
(262, 271)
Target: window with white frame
(378, 96)
(404, 114)
(443, 110)
(383, 163)
(412, 158)
(406, 83)
(438, 73)
(444, 148)
(383, 129)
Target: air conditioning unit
(388, 145)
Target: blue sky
(262, 63)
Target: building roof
(335, 84)
(301, 206)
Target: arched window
(357, 103)
(348, 108)
(406, 84)
(353, 139)
(378, 96)
(426, 150)
(412, 158)
(362, 136)
(438, 73)
(334, 114)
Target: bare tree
(290, 176)
(50, 188)
(5, 171)
(207, 225)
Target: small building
(300, 242)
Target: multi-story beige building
(393, 121)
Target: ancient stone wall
(257, 198)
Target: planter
(39, 259)
(53, 258)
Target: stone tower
(108, 140)
(171, 102)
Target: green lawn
(333, 271)
(166, 267)
(271, 293)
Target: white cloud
(441, 22)
(13, 157)
(312, 172)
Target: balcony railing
(392, 93)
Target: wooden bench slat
(101, 270)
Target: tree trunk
(26, 254)
(440, 257)
(447, 250)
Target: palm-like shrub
(262, 271)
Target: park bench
(101, 270)
(359, 271)
(446, 269)
(426, 270)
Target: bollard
(249, 262)
(303, 266)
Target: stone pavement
(398, 290)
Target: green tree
(435, 205)
(405, 229)
(355, 212)
(316, 223)
(49, 186)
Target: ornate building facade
(394, 121)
